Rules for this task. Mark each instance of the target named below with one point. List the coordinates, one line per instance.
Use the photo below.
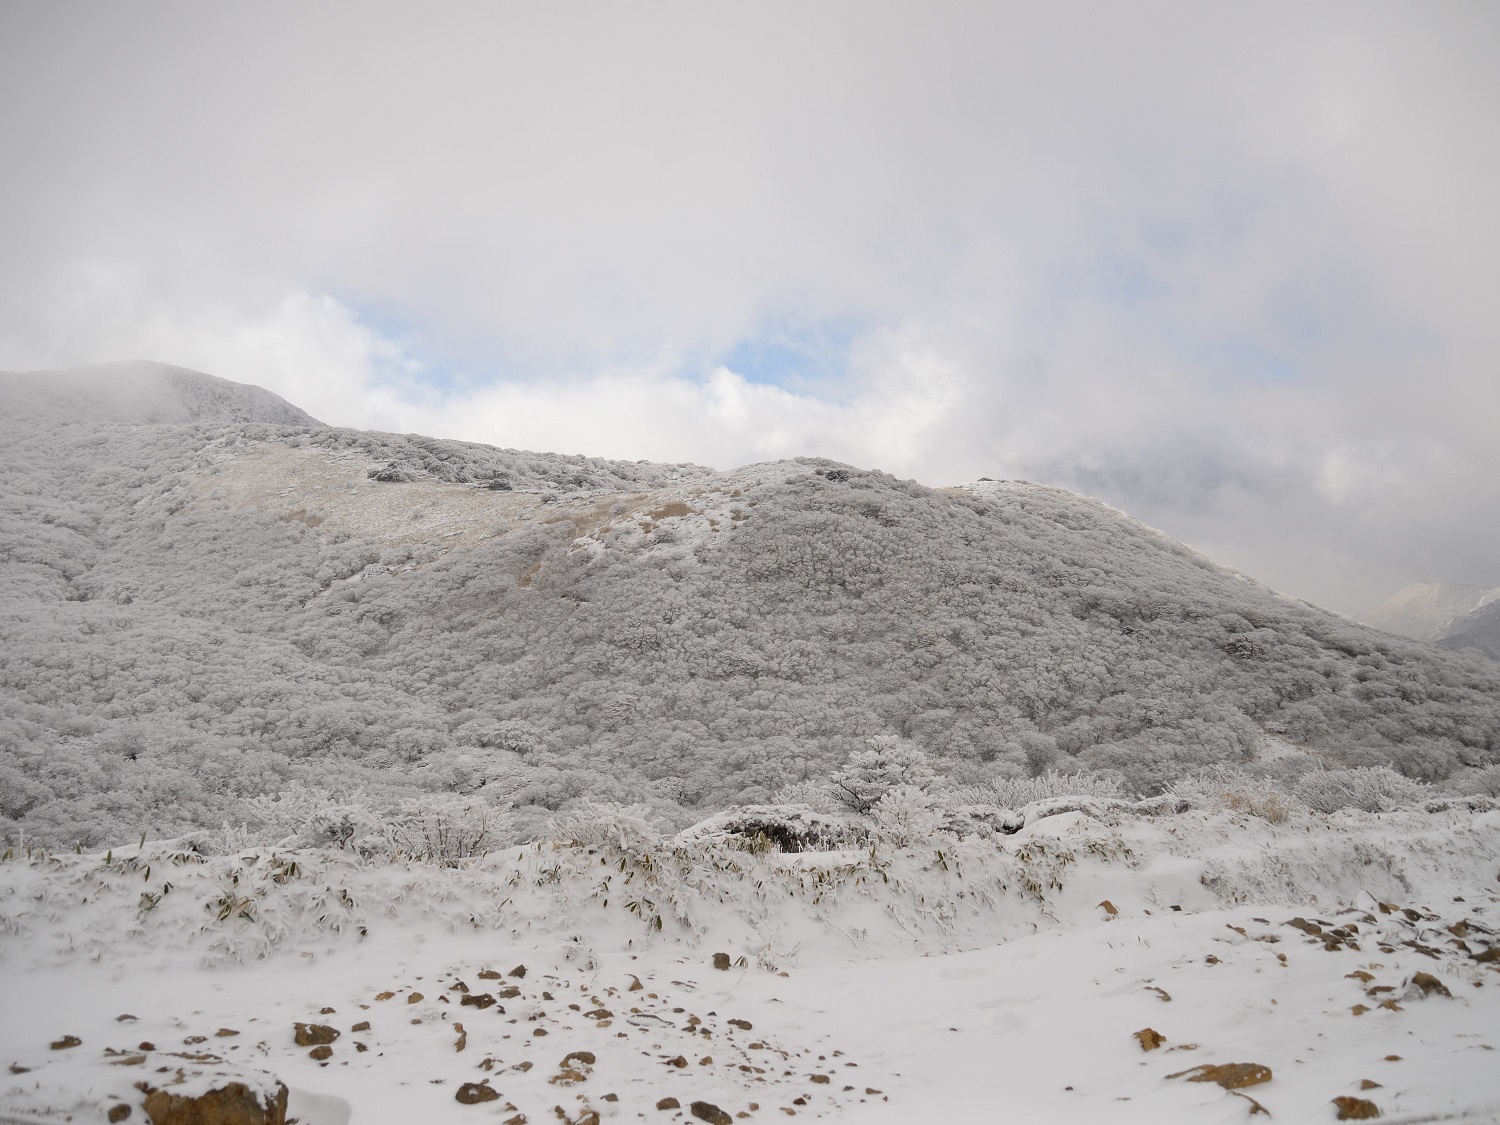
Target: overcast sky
(1234, 268)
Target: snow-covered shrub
(906, 815)
(985, 819)
(816, 795)
(1012, 793)
(445, 829)
(783, 828)
(1229, 789)
(870, 774)
(1485, 782)
(594, 823)
(308, 816)
(1371, 788)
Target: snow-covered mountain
(138, 391)
(207, 597)
(1453, 615)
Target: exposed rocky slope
(198, 612)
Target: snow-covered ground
(969, 981)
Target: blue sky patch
(793, 353)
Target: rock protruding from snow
(139, 391)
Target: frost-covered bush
(1012, 793)
(783, 828)
(870, 774)
(308, 816)
(906, 815)
(444, 829)
(1485, 782)
(1371, 788)
(816, 795)
(596, 823)
(1234, 790)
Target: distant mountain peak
(143, 392)
(1424, 611)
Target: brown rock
(1429, 984)
(1359, 1009)
(472, 1093)
(518, 972)
(635, 984)
(707, 1111)
(679, 1062)
(743, 1025)
(118, 1113)
(1356, 1109)
(721, 961)
(225, 1033)
(567, 1077)
(321, 1052)
(1108, 908)
(312, 1034)
(415, 998)
(125, 1017)
(480, 1000)
(1305, 926)
(819, 1079)
(669, 1103)
(518, 1119)
(1489, 956)
(362, 1025)
(232, 1104)
(600, 1014)
(1150, 1039)
(587, 1058)
(384, 995)
(1366, 1084)
(1231, 1076)
(67, 1041)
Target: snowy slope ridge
(138, 391)
(1348, 956)
(1452, 615)
(194, 615)
(1478, 629)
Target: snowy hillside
(1478, 629)
(196, 615)
(362, 779)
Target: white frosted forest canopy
(214, 600)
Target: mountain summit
(139, 391)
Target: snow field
(974, 980)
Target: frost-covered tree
(870, 774)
